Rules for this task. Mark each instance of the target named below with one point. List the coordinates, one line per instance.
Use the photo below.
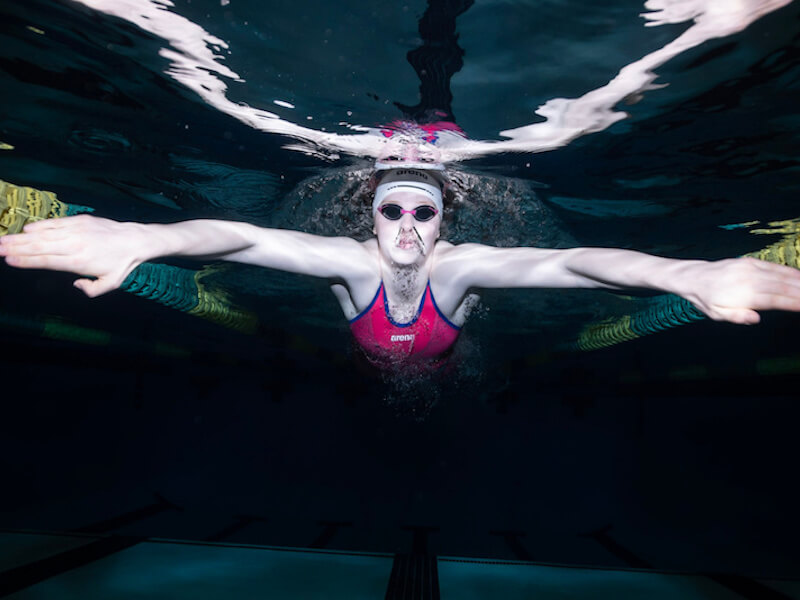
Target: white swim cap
(409, 180)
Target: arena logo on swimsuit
(406, 337)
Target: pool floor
(46, 565)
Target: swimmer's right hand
(103, 251)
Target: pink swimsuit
(427, 336)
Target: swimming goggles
(393, 212)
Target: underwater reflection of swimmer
(436, 61)
(405, 291)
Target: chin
(406, 257)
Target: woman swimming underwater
(406, 292)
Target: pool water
(583, 125)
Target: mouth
(410, 240)
(407, 243)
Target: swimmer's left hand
(735, 289)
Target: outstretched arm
(727, 290)
(109, 250)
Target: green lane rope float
(785, 251)
(667, 311)
(181, 289)
(20, 205)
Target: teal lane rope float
(667, 311)
(662, 313)
(184, 290)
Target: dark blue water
(680, 448)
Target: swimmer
(405, 291)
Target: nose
(407, 221)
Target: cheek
(385, 233)
(430, 235)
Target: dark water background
(680, 448)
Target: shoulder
(364, 274)
(452, 259)
(456, 251)
(451, 264)
(448, 279)
(349, 250)
(369, 246)
(362, 258)
(367, 255)
(448, 252)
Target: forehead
(408, 199)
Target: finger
(783, 281)
(56, 233)
(790, 284)
(15, 240)
(782, 270)
(38, 247)
(764, 291)
(55, 242)
(11, 238)
(93, 288)
(46, 224)
(740, 316)
(47, 261)
(777, 302)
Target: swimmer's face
(406, 241)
